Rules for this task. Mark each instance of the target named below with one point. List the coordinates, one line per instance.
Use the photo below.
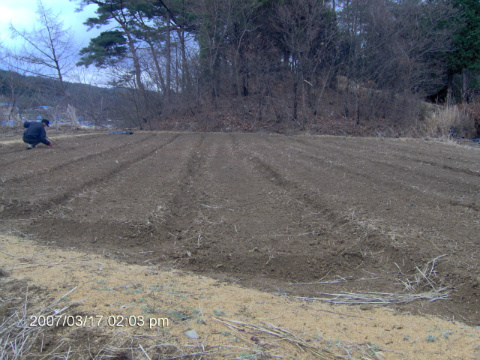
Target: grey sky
(21, 13)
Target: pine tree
(465, 56)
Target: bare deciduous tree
(48, 50)
(305, 31)
(391, 52)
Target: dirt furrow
(267, 211)
(270, 233)
(389, 204)
(29, 167)
(414, 150)
(11, 151)
(418, 181)
(440, 176)
(184, 223)
(57, 187)
(380, 188)
(70, 146)
(423, 232)
(127, 214)
(409, 154)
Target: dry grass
(18, 334)
(259, 325)
(440, 122)
(377, 298)
(423, 278)
(263, 334)
(416, 288)
(20, 339)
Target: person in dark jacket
(36, 133)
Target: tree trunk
(450, 89)
(295, 99)
(181, 36)
(142, 107)
(157, 66)
(169, 57)
(466, 86)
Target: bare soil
(107, 309)
(301, 216)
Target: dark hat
(47, 122)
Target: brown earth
(107, 309)
(304, 216)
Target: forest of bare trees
(263, 64)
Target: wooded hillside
(338, 66)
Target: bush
(448, 121)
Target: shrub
(448, 121)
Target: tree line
(270, 62)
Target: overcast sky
(21, 13)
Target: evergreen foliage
(283, 57)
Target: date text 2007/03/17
(97, 320)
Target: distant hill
(32, 95)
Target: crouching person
(36, 133)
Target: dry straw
(18, 335)
(240, 328)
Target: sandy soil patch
(104, 295)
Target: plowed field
(302, 215)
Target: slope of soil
(106, 309)
(303, 215)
